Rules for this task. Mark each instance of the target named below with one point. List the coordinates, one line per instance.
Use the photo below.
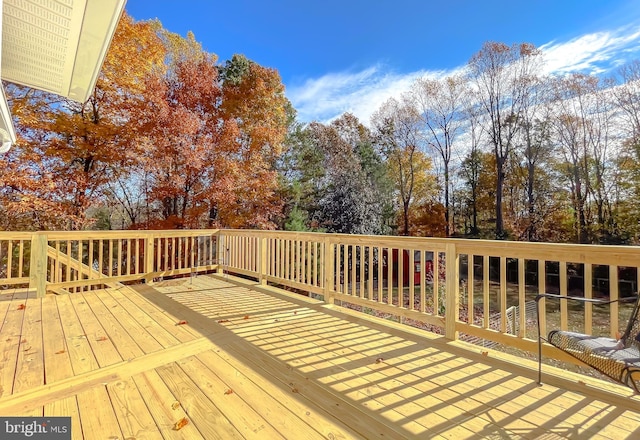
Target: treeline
(174, 138)
(499, 150)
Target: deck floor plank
(165, 337)
(81, 354)
(325, 360)
(162, 317)
(11, 337)
(198, 325)
(30, 365)
(5, 303)
(125, 344)
(164, 407)
(144, 338)
(98, 418)
(67, 407)
(99, 338)
(242, 416)
(349, 414)
(131, 410)
(210, 420)
(285, 413)
(57, 359)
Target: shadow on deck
(236, 360)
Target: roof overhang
(54, 45)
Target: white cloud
(592, 53)
(362, 93)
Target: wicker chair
(617, 359)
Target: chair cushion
(597, 346)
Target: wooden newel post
(38, 264)
(452, 291)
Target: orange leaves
(246, 317)
(21, 307)
(183, 322)
(61, 351)
(228, 391)
(102, 338)
(180, 424)
(160, 118)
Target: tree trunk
(447, 229)
(500, 235)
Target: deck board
(209, 419)
(97, 415)
(114, 330)
(167, 410)
(139, 335)
(230, 401)
(242, 361)
(131, 410)
(100, 341)
(10, 338)
(81, 355)
(284, 413)
(67, 407)
(57, 359)
(30, 362)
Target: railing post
(220, 257)
(149, 254)
(329, 262)
(452, 291)
(38, 264)
(263, 259)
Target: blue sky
(351, 55)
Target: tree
(256, 115)
(396, 124)
(503, 77)
(178, 128)
(301, 175)
(351, 200)
(627, 98)
(71, 148)
(582, 131)
(440, 105)
(478, 172)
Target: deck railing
(64, 262)
(476, 290)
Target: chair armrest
(585, 300)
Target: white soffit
(57, 45)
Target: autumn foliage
(169, 135)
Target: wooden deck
(241, 361)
